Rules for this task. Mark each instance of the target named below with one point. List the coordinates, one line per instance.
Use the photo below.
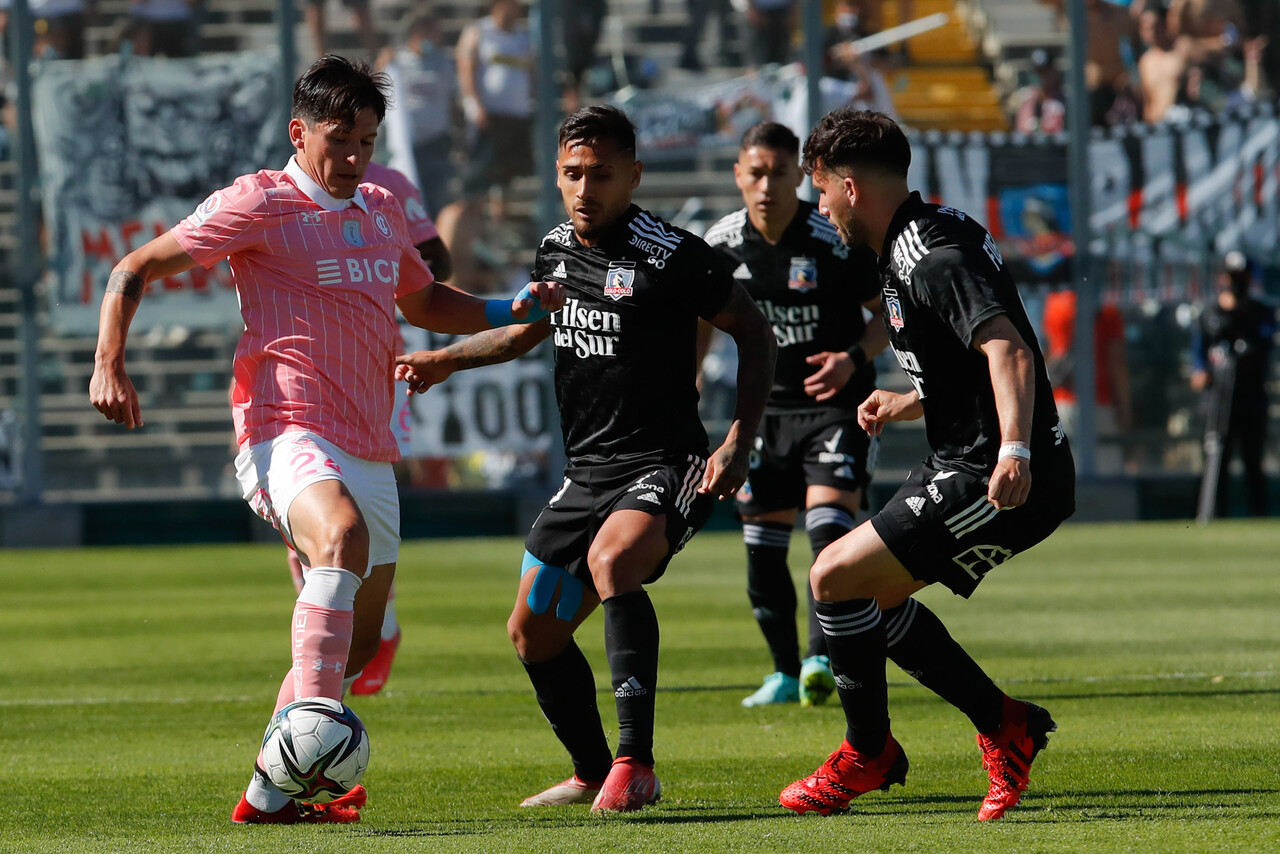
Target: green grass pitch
(135, 682)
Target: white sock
(263, 794)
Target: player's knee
(622, 569)
(533, 644)
(344, 541)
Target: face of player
(767, 179)
(836, 204)
(335, 157)
(596, 183)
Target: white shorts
(272, 474)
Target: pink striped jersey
(317, 279)
(421, 228)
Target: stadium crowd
(1154, 60)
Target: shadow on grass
(1048, 807)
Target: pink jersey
(421, 228)
(317, 279)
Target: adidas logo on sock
(845, 683)
(631, 688)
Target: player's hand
(882, 406)
(422, 369)
(112, 393)
(726, 470)
(1010, 483)
(832, 375)
(536, 300)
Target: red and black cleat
(844, 776)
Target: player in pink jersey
(426, 237)
(320, 263)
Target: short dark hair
(846, 138)
(770, 135)
(335, 89)
(599, 123)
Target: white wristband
(1018, 450)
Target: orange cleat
(844, 776)
(629, 786)
(1008, 752)
(343, 810)
(376, 672)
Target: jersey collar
(901, 218)
(318, 194)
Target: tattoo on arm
(488, 348)
(126, 283)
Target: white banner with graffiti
(130, 145)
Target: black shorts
(795, 450)
(563, 531)
(942, 529)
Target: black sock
(631, 641)
(772, 592)
(921, 645)
(824, 523)
(856, 640)
(566, 691)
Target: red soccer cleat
(343, 810)
(375, 673)
(1008, 752)
(629, 786)
(844, 776)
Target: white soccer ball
(315, 749)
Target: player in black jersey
(960, 332)
(810, 451)
(639, 481)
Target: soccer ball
(315, 749)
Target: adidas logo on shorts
(651, 497)
(916, 503)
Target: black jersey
(811, 288)
(943, 276)
(626, 339)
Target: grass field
(134, 684)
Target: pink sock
(323, 619)
(321, 643)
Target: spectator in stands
(579, 32)
(769, 31)
(495, 75)
(59, 27)
(1231, 357)
(1161, 66)
(846, 28)
(1041, 105)
(699, 11)
(163, 27)
(1113, 402)
(1223, 65)
(1262, 18)
(1106, 75)
(425, 82)
(317, 15)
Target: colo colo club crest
(618, 282)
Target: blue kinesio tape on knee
(544, 588)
